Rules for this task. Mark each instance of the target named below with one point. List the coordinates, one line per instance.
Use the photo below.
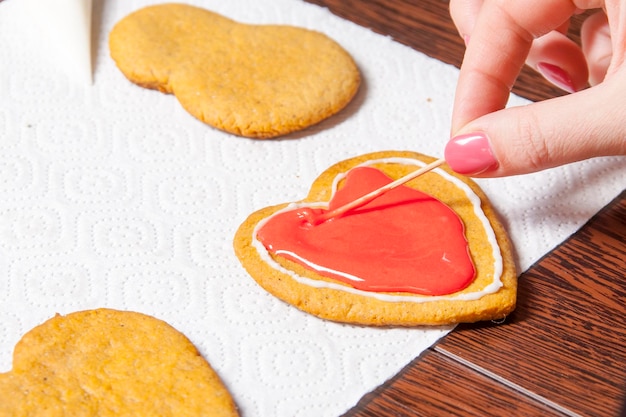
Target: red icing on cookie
(403, 241)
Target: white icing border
(493, 287)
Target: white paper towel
(113, 196)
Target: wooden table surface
(563, 351)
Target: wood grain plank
(566, 341)
(446, 388)
(426, 26)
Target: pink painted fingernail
(557, 76)
(470, 154)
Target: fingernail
(470, 154)
(557, 76)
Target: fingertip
(470, 154)
(560, 61)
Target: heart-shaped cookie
(428, 253)
(110, 363)
(259, 81)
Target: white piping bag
(65, 30)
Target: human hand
(501, 36)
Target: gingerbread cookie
(258, 81)
(430, 252)
(110, 363)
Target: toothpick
(361, 201)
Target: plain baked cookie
(258, 81)
(300, 286)
(110, 363)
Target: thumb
(542, 135)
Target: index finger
(497, 51)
